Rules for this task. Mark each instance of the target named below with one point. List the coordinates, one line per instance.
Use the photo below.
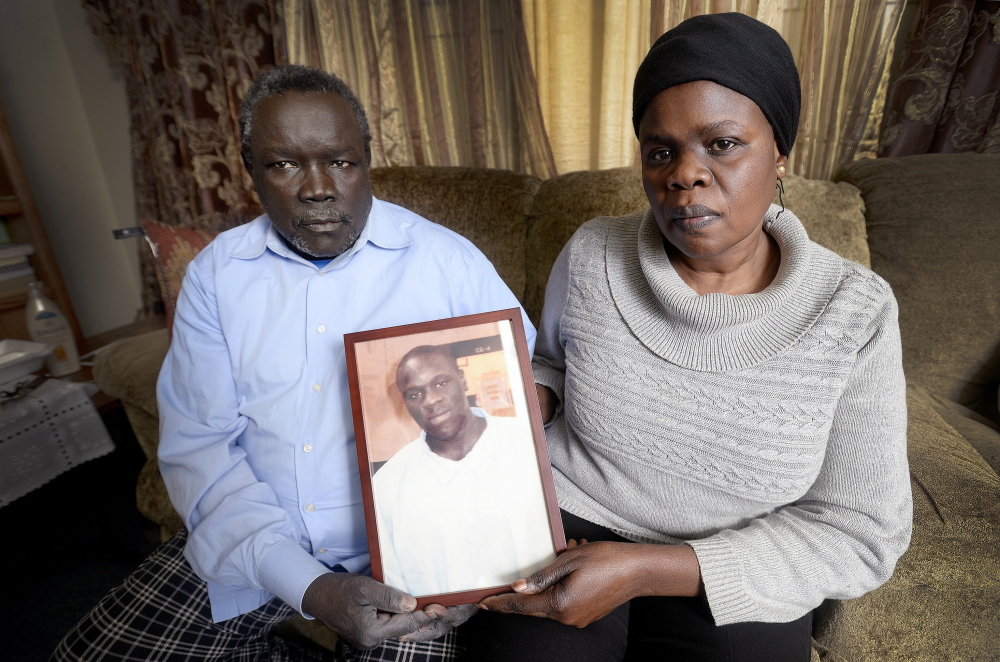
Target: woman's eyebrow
(723, 126)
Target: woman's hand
(590, 580)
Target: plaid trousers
(161, 613)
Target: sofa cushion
(948, 582)
(934, 234)
(173, 247)
(487, 207)
(563, 204)
(833, 215)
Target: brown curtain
(186, 65)
(444, 82)
(945, 96)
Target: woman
(727, 397)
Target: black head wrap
(735, 51)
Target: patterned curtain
(444, 82)
(586, 54)
(946, 95)
(186, 65)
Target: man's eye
(441, 384)
(341, 164)
(283, 165)
(413, 395)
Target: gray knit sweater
(768, 430)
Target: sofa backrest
(833, 215)
(934, 233)
(487, 207)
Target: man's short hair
(297, 78)
(426, 350)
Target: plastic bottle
(46, 323)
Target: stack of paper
(15, 272)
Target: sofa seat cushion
(949, 578)
(934, 234)
(488, 207)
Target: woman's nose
(688, 171)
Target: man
(488, 524)
(257, 446)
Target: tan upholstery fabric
(563, 204)
(942, 603)
(487, 207)
(128, 370)
(933, 230)
(832, 213)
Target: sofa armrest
(127, 370)
(941, 602)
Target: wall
(68, 116)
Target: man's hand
(590, 580)
(363, 611)
(445, 618)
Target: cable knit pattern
(766, 430)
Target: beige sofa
(929, 224)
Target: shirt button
(322, 273)
(308, 448)
(321, 550)
(320, 329)
(310, 508)
(316, 387)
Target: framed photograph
(457, 487)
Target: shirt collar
(382, 230)
(479, 460)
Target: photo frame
(455, 476)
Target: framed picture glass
(458, 492)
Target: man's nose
(318, 184)
(432, 397)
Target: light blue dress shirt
(257, 440)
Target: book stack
(15, 272)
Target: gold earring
(781, 170)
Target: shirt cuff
(721, 575)
(287, 570)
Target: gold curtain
(447, 82)
(946, 95)
(585, 56)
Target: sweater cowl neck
(718, 332)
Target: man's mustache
(321, 216)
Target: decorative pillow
(173, 247)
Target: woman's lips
(693, 217)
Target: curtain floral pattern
(186, 65)
(946, 94)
